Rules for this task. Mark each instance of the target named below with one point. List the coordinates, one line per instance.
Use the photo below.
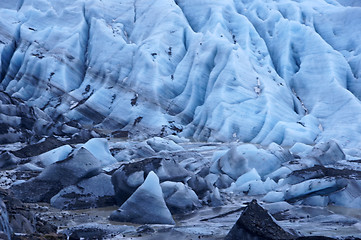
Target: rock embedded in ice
(90, 193)
(146, 205)
(179, 197)
(129, 176)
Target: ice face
(282, 71)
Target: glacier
(252, 71)
(201, 106)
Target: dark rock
(120, 134)
(80, 165)
(257, 224)
(94, 192)
(45, 227)
(38, 148)
(318, 172)
(131, 175)
(21, 218)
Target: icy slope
(255, 71)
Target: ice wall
(257, 71)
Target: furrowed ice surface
(255, 71)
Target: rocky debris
(48, 144)
(5, 227)
(318, 172)
(94, 192)
(95, 231)
(256, 223)
(39, 236)
(179, 197)
(21, 218)
(129, 176)
(39, 148)
(146, 205)
(80, 165)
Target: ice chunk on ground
(179, 197)
(54, 155)
(100, 149)
(327, 153)
(273, 196)
(314, 186)
(240, 159)
(247, 177)
(129, 176)
(146, 205)
(160, 144)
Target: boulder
(257, 224)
